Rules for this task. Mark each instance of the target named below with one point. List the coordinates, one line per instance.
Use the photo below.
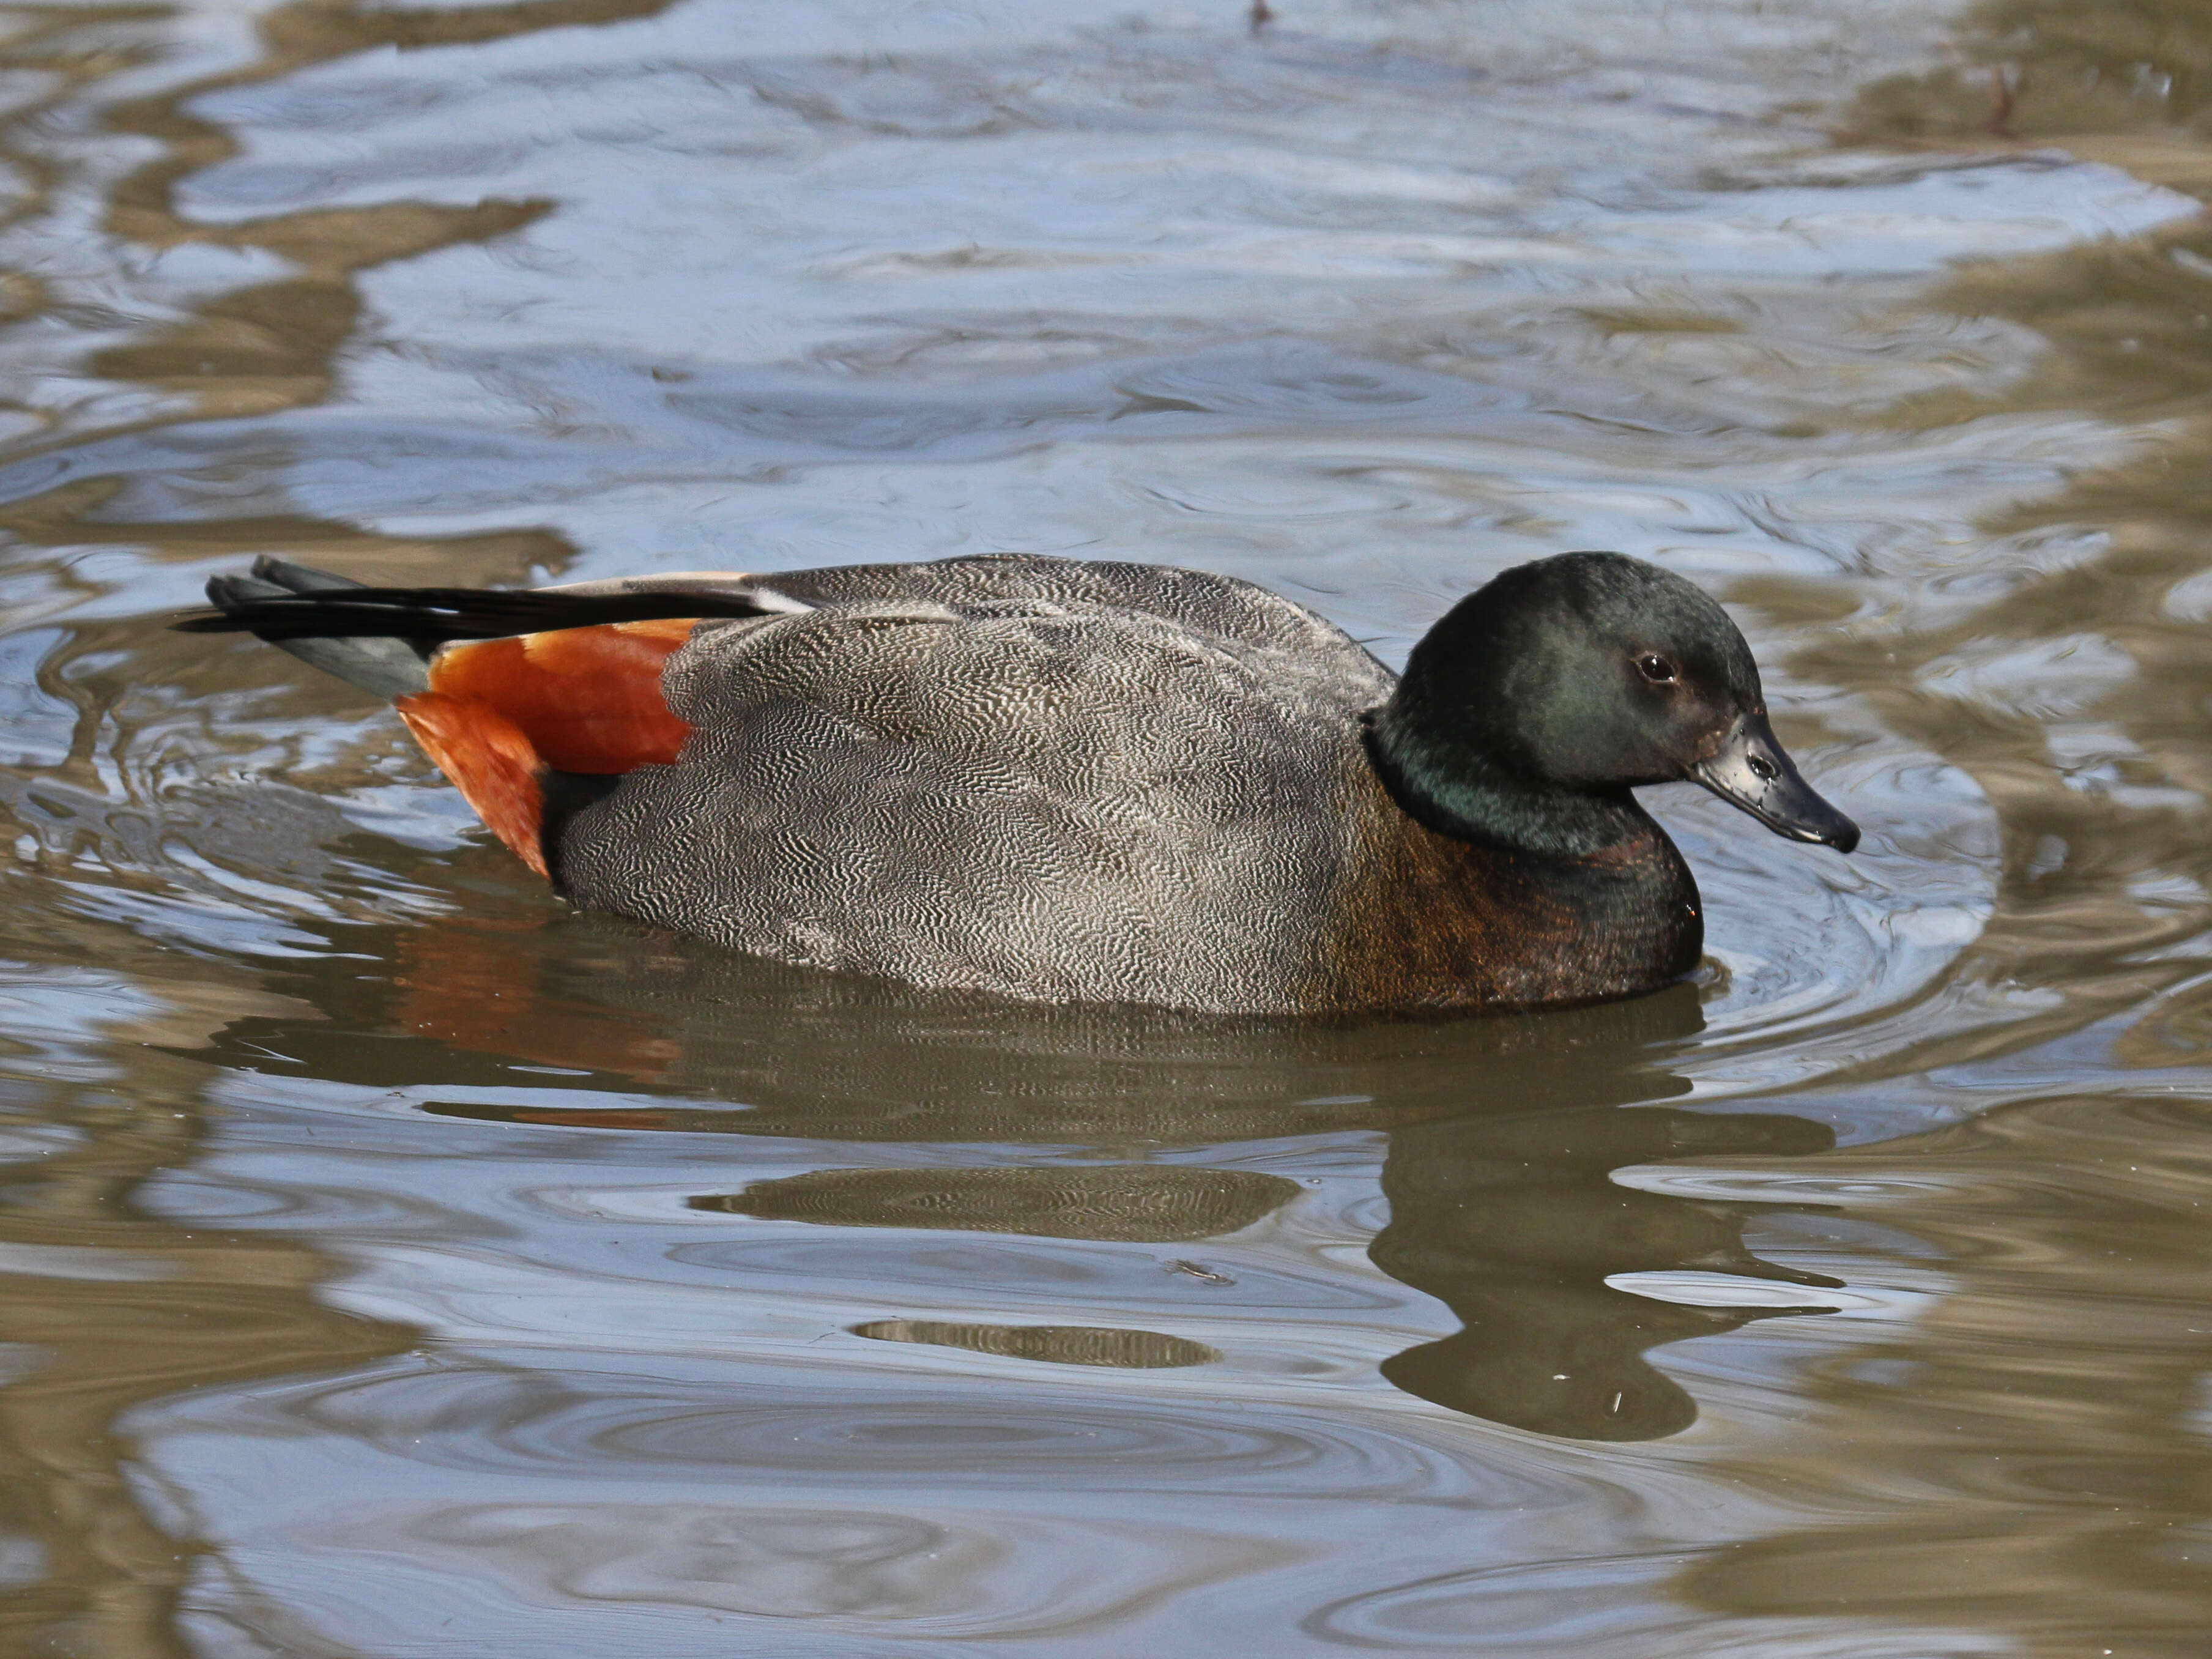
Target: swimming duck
(1073, 780)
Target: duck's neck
(1449, 782)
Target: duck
(1090, 782)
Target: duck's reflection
(1514, 1222)
(1503, 1136)
(1148, 1203)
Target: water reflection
(2039, 69)
(1054, 1345)
(1155, 1203)
(2029, 1452)
(1502, 1134)
(105, 1308)
(272, 345)
(1513, 1223)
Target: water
(394, 1264)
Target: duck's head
(1530, 710)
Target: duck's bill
(1751, 770)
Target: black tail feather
(435, 616)
(299, 578)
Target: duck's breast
(1421, 921)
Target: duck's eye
(1657, 670)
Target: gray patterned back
(1049, 779)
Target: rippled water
(394, 1264)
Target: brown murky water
(393, 1264)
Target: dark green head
(1530, 711)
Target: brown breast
(1422, 921)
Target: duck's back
(1052, 779)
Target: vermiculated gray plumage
(1081, 782)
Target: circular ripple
(912, 1434)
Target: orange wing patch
(587, 698)
(498, 712)
(490, 762)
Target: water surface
(393, 1263)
